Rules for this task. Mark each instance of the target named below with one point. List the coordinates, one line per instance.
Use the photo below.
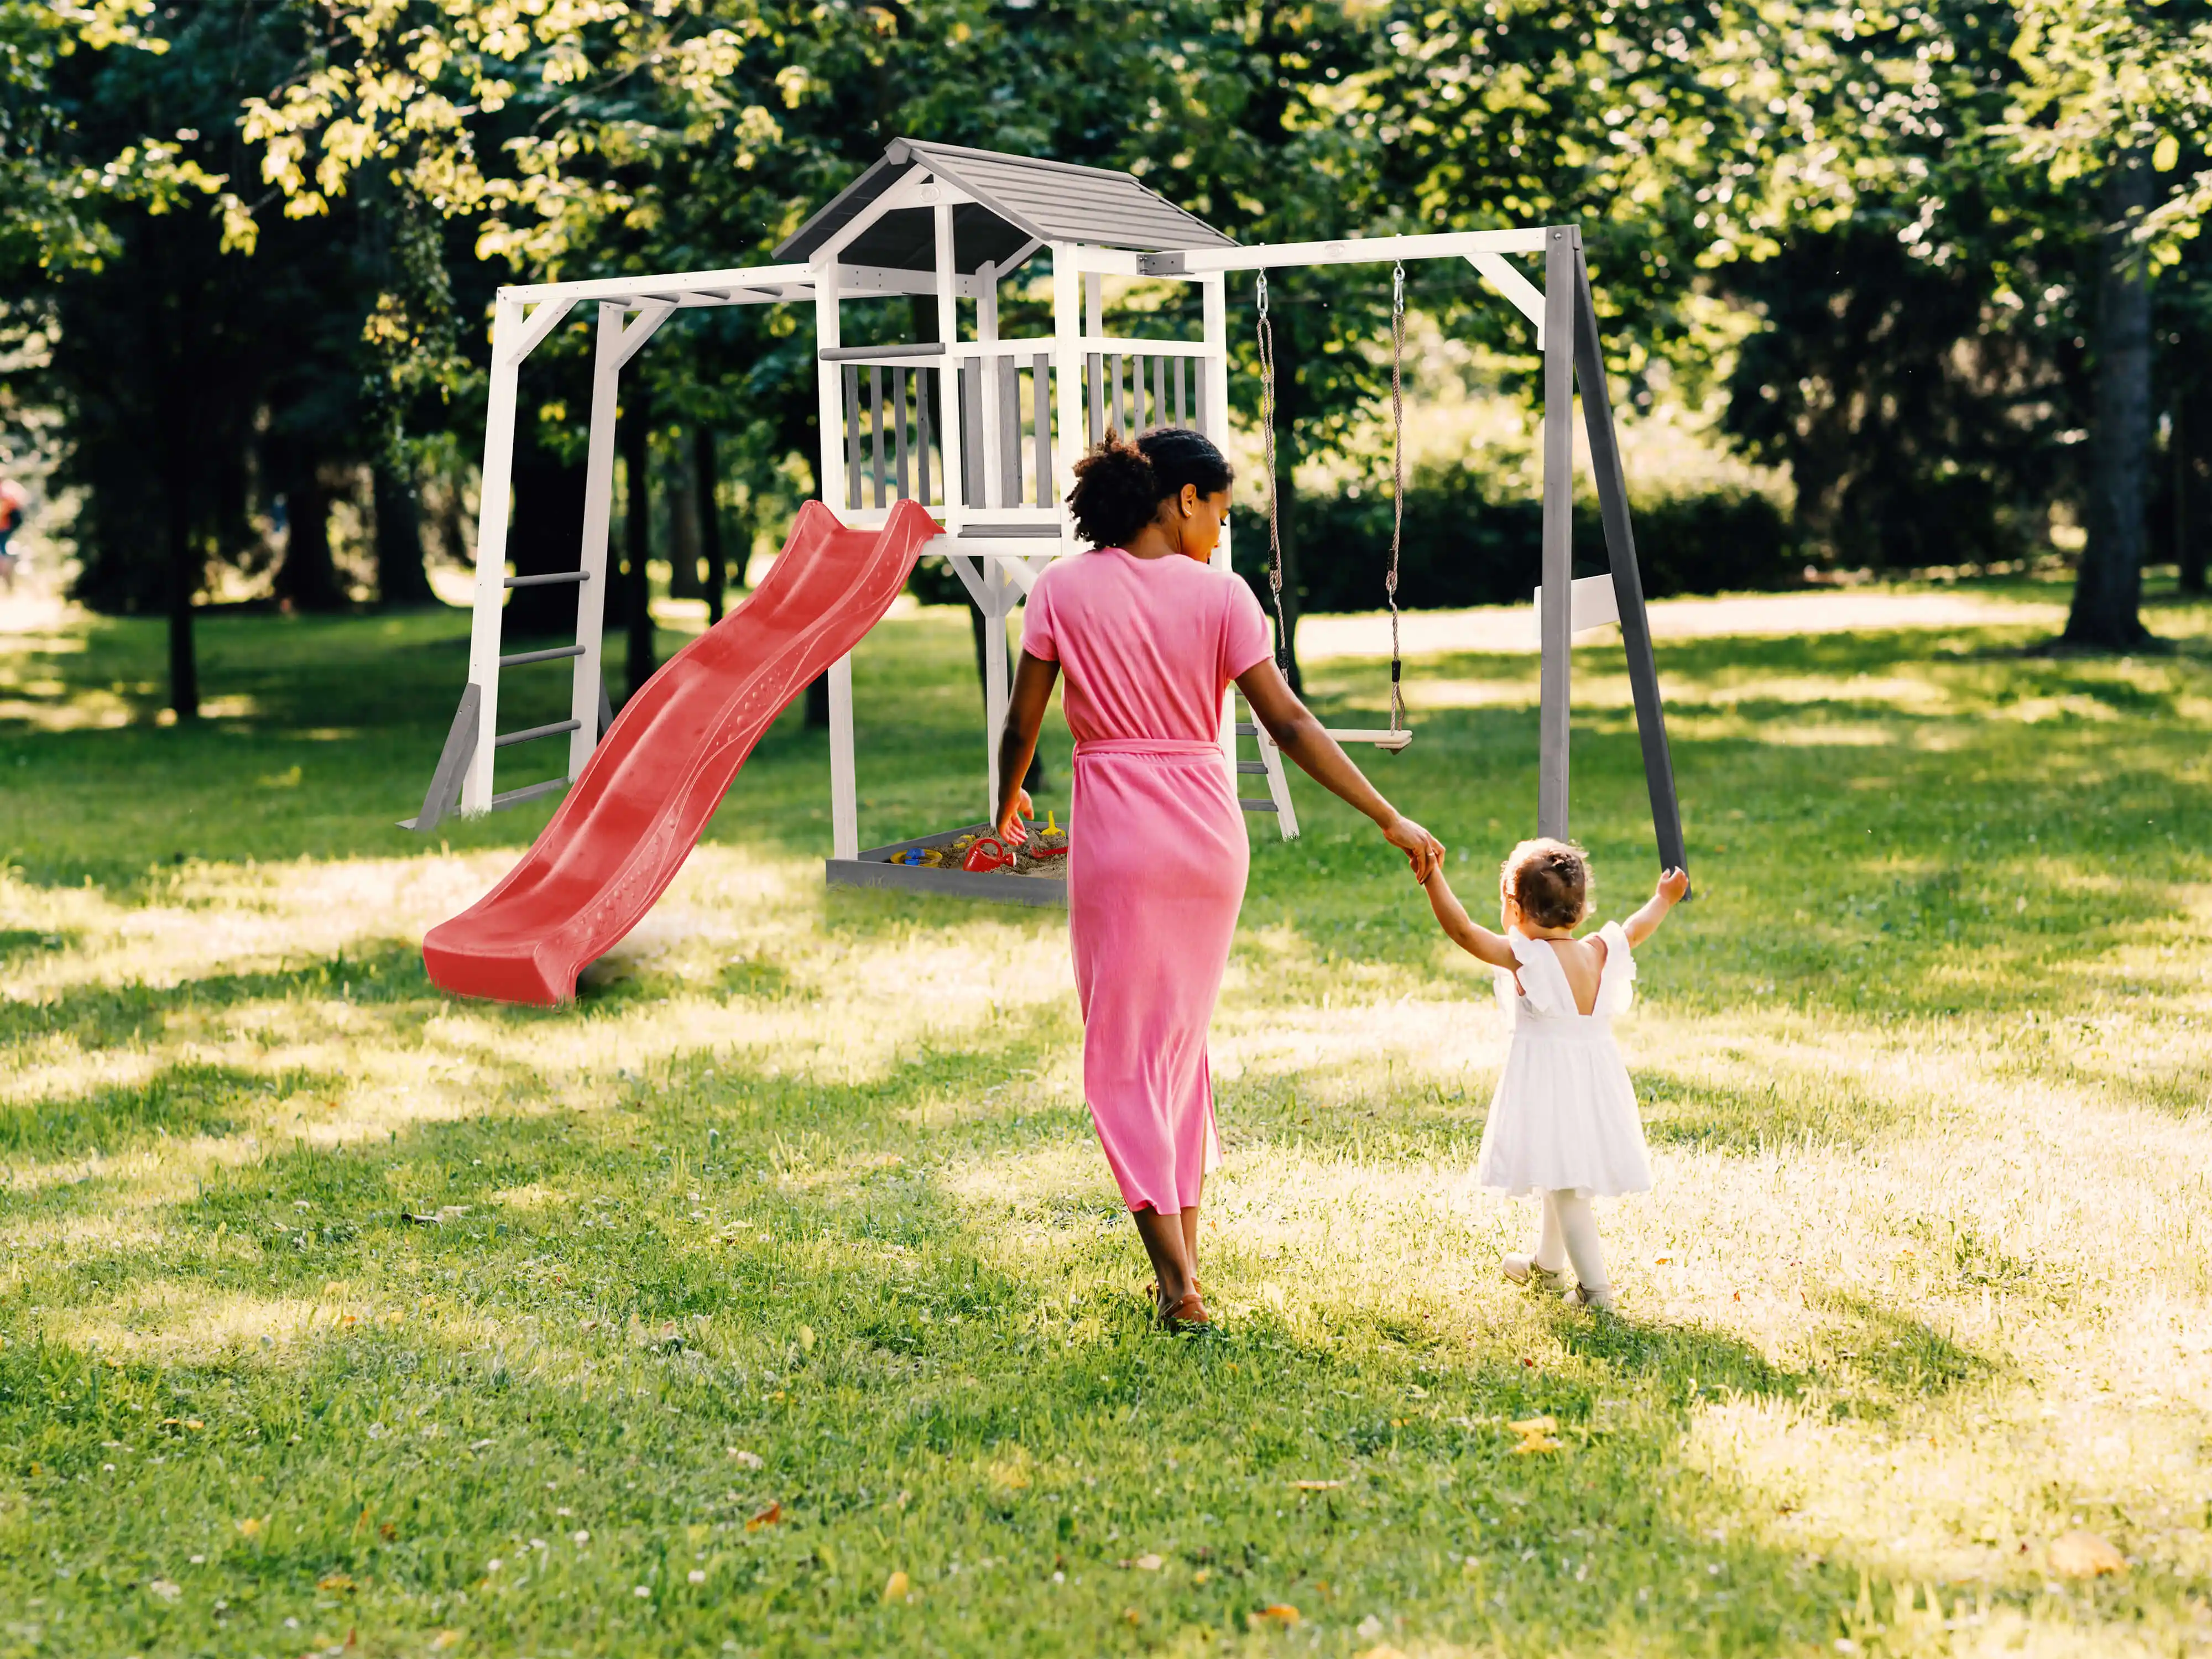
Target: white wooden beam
(598, 508)
(1526, 297)
(1362, 250)
(495, 487)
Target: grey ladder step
(1252, 766)
(1252, 805)
(528, 792)
(549, 580)
(553, 654)
(536, 732)
(1246, 729)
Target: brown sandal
(1188, 1314)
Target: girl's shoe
(1188, 1314)
(1523, 1268)
(1582, 1297)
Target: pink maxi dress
(1157, 857)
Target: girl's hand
(1009, 827)
(1423, 851)
(1673, 884)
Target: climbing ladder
(1269, 766)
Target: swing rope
(1397, 483)
(1267, 344)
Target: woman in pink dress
(1150, 636)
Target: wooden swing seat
(1380, 737)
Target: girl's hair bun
(1119, 484)
(1550, 880)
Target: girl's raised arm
(1470, 935)
(1645, 922)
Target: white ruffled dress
(1565, 1114)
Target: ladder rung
(1252, 805)
(528, 792)
(558, 576)
(550, 655)
(537, 732)
(1252, 766)
(1246, 729)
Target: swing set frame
(1006, 421)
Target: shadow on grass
(179, 1100)
(96, 1016)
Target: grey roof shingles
(1017, 198)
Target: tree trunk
(185, 573)
(706, 475)
(637, 536)
(680, 489)
(400, 578)
(307, 581)
(2108, 591)
(1287, 409)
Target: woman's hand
(1010, 826)
(1423, 850)
(1672, 885)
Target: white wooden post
(948, 379)
(1068, 380)
(844, 790)
(599, 508)
(492, 511)
(1001, 591)
(1094, 304)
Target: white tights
(1568, 1233)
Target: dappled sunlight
(798, 1204)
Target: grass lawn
(775, 1299)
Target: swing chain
(1397, 480)
(1267, 344)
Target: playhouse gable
(1015, 204)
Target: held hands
(1423, 851)
(1010, 826)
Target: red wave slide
(631, 820)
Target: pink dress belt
(1145, 747)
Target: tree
(2112, 91)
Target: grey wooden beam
(443, 798)
(1553, 720)
(1627, 579)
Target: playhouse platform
(874, 868)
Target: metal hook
(1397, 290)
(1263, 294)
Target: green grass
(338, 1316)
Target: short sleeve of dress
(1244, 631)
(1617, 984)
(1036, 622)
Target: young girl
(1564, 1123)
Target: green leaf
(2166, 152)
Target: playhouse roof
(1019, 200)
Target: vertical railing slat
(1010, 431)
(921, 433)
(1159, 392)
(1094, 383)
(1040, 434)
(852, 435)
(899, 378)
(875, 413)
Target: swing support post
(1627, 579)
(1553, 712)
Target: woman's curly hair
(1550, 880)
(1119, 484)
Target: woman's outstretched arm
(1034, 679)
(1299, 735)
